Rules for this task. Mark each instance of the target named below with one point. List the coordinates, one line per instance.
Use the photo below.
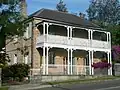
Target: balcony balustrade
(64, 40)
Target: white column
(71, 62)
(47, 30)
(107, 37)
(91, 34)
(68, 62)
(68, 31)
(92, 71)
(44, 61)
(91, 37)
(47, 60)
(90, 68)
(110, 63)
(108, 58)
(43, 28)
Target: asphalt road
(103, 85)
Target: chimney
(82, 15)
(23, 6)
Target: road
(103, 85)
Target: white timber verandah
(70, 44)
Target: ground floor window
(51, 58)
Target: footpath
(56, 83)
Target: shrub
(101, 65)
(15, 72)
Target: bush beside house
(15, 73)
(101, 68)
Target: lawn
(3, 88)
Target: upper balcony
(76, 37)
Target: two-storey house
(62, 44)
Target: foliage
(61, 6)
(115, 30)
(116, 53)
(101, 65)
(104, 11)
(16, 71)
(4, 59)
(10, 20)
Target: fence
(54, 69)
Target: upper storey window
(28, 31)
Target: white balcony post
(71, 62)
(43, 28)
(47, 30)
(91, 34)
(68, 30)
(47, 61)
(107, 37)
(44, 61)
(92, 71)
(109, 61)
(90, 68)
(108, 57)
(91, 37)
(68, 62)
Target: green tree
(104, 11)
(10, 20)
(61, 6)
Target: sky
(73, 6)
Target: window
(15, 59)
(51, 58)
(26, 59)
(28, 31)
(15, 39)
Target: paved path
(103, 85)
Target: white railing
(63, 40)
(55, 39)
(100, 44)
(56, 69)
(80, 42)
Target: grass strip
(3, 88)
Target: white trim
(44, 61)
(26, 59)
(71, 61)
(110, 63)
(43, 28)
(90, 73)
(15, 59)
(92, 60)
(68, 61)
(47, 61)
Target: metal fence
(56, 69)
